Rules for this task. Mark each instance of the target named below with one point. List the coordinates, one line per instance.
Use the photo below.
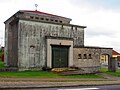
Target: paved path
(53, 79)
(108, 76)
(53, 84)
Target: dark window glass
(56, 20)
(90, 56)
(42, 18)
(79, 56)
(51, 20)
(31, 17)
(75, 28)
(47, 19)
(60, 21)
(85, 56)
(36, 17)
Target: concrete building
(35, 39)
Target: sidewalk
(27, 85)
(53, 79)
(17, 83)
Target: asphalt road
(111, 87)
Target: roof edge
(92, 47)
(39, 12)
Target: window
(56, 20)
(85, 56)
(51, 20)
(60, 21)
(79, 56)
(42, 18)
(90, 56)
(36, 17)
(47, 19)
(31, 17)
(72, 27)
(75, 28)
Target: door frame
(62, 42)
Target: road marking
(81, 89)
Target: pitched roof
(43, 13)
(115, 52)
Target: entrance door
(59, 56)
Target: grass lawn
(1, 64)
(105, 70)
(42, 74)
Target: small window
(36, 17)
(85, 56)
(60, 21)
(56, 20)
(42, 18)
(72, 28)
(31, 17)
(90, 56)
(75, 28)
(51, 20)
(79, 56)
(47, 19)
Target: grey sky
(102, 17)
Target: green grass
(1, 64)
(42, 74)
(105, 70)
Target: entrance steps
(76, 70)
(63, 69)
(68, 71)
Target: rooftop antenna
(36, 5)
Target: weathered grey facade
(35, 39)
(88, 58)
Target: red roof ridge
(39, 12)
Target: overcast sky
(102, 17)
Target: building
(35, 39)
(116, 56)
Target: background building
(116, 56)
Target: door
(59, 56)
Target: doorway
(60, 56)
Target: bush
(2, 53)
(46, 68)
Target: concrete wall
(11, 44)
(32, 49)
(86, 62)
(89, 58)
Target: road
(111, 87)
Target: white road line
(81, 89)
